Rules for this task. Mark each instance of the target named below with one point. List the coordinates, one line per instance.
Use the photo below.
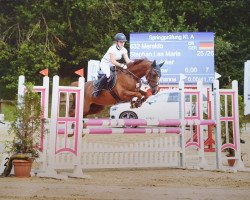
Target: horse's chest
(132, 86)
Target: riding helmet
(120, 37)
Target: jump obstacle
(65, 148)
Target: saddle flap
(103, 83)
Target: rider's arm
(126, 58)
(113, 60)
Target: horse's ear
(154, 64)
(160, 65)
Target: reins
(136, 78)
(140, 80)
(150, 75)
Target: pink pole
(131, 122)
(131, 130)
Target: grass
(7, 110)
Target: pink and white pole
(44, 92)
(55, 120)
(131, 122)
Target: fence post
(50, 157)
(183, 125)
(217, 109)
(238, 164)
(78, 173)
(203, 162)
(21, 88)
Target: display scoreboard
(188, 53)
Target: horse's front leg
(138, 102)
(144, 95)
(131, 95)
(135, 103)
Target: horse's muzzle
(154, 90)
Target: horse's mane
(137, 61)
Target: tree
(231, 36)
(63, 35)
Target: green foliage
(26, 125)
(229, 20)
(8, 110)
(64, 35)
(6, 56)
(224, 51)
(27, 60)
(242, 118)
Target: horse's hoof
(137, 104)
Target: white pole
(21, 88)
(239, 164)
(78, 173)
(183, 125)
(202, 159)
(46, 104)
(50, 169)
(44, 153)
(218, 143)
(247, 88)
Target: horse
(126, 87)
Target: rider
(114, 53)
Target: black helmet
(120, 37)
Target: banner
(247, 88)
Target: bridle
(150, 78)
(136, 78)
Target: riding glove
(123, 66)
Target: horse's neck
(139, 70)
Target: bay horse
(126, 87)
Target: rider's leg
(99, 86)
(102, 81)
(105, 68)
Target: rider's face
(120, 44)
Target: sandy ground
(136, 184)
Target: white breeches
(105, 68)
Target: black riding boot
(99, 86)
